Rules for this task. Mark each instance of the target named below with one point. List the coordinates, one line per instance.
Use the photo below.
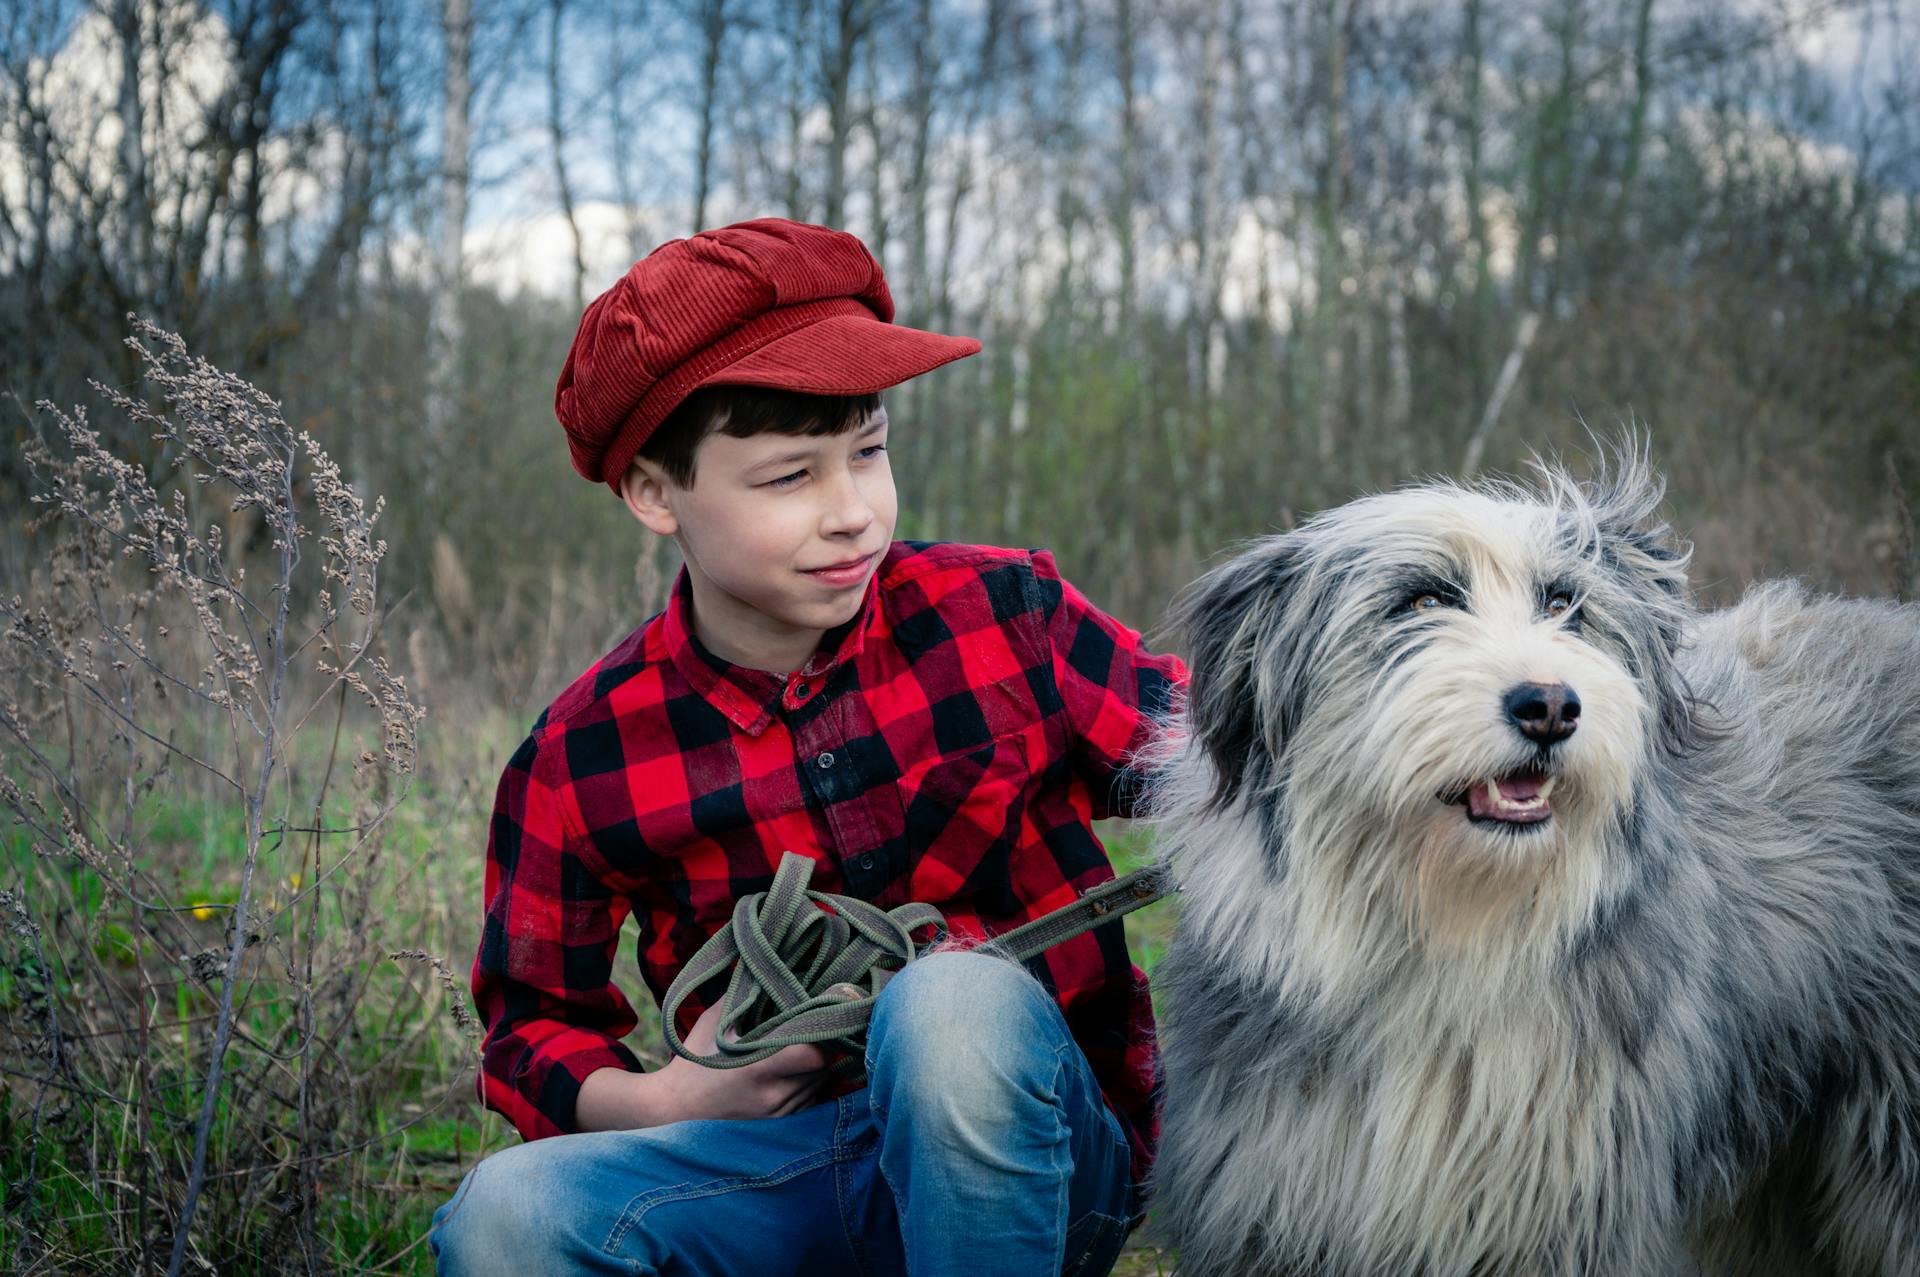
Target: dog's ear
(1640, 548)
(1615, 515)
(1229, 619)
(1625, 499)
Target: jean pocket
(1094, 1241)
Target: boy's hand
(785, 1082)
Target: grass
(418, 1125)
(408, 1109)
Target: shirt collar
(749, 697)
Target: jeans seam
(454, 1203)
(1117, 1135)
(1063, 1147)
(1125, 1150)
(855, 1245)
(637, 1208)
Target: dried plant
(212, 635)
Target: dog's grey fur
(1673, 1029)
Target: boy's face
(762, 519)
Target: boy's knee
(965, 998)
(954, 1015)
(511, 1214)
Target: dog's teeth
(1493, 793)
(1546, 787)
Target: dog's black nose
(1544, 712)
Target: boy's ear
(645, 492)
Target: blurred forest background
(1232, 261)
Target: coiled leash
(802, 973)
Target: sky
(516, 240)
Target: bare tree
(850, 23)
(133, 146)
(924, 38)
(557, 135)
(1329, 353)
(711, 18)
(456, 22)
(1635, 144)
(1126, 193)
(876, 117)
(799, 20)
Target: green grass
(417, 1121)
(418, 1117)
(1150, 928)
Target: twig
(1502, 387)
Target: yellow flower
(294, 881)
(203, 910)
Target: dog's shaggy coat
(1672, 1027)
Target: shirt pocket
(965, 813)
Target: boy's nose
(849, 510)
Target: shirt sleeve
(1113, 688)
(542, 980)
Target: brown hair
(745, 411)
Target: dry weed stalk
(158, 651)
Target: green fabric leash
(803, 974)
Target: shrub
(203, 751)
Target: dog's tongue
(1515, 798)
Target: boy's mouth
(845, 573)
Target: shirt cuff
(547, 1105)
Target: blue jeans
(980, 1143)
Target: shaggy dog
(1535, 923)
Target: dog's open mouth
(1518, 798)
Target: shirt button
(800, 690)
(824, 761)
(866, 862)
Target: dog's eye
(1559, 605)
(1428, 596)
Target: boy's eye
(872, 450)
(787, 480)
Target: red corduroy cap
(761, 303)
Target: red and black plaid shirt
(950, 744)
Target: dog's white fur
(1676, 1025)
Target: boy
(927, 722)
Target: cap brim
(844, 355)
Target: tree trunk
(713, 40)
(1480, 245)
(1329, 320)
(1130, 455)
(1127, 65)
(136, 242)
(920, 107)
(1399, 410)
(456, 18)
(556, 19)
(986, 69)
(878, 227)
(1636, 127)
(797, 102)
(851, 21)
